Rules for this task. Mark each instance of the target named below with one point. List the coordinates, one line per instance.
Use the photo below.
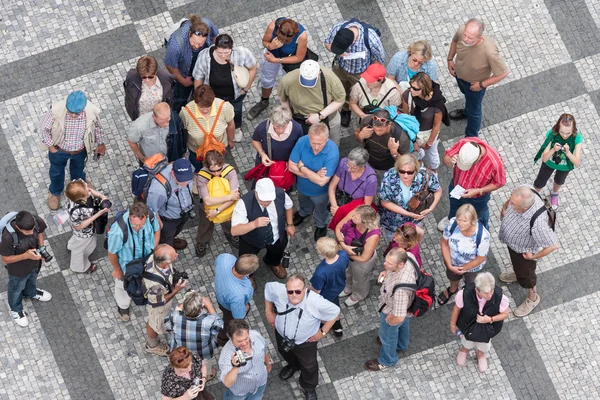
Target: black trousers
(222, 337)
(170, 229)
(302, 357)
(274, 251)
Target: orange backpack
(210, 142)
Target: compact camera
(287, 344)
(242, 358)
(42, 251)
(179, 275)
(188, 212)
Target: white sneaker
(350, 301)
(42, 295)
(442, 224)
(239, 135)
(20, 318)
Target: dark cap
(342, 40)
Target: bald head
(161, 113)
(164, 254)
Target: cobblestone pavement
(75, 348)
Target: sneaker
(350, 301)
(42, 295)
(123, 314)
(554, 201)
(239, 135)
(344, 293)
(346, 117)
(482, 362)
(258, 108)
(442, 224)
(201, 249)
(162, 349)
(20, 318)
(53, 202)
(508, 277)
(526, 307)
(338, 332)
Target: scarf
(552, 139)
(437, 100)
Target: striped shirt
(514, 229)
(488, 169)
(125, 251)
(182, 58)
(198, 334)
(74, 131)
(251, 376)
(195, 134)
(357, 66)
(402, 299)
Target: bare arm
(446, 252)
(492, 80)
(136, 150)
(198, 83)
(545, 251)
(453, 318)
(331, 191)
(242, 229)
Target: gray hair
(161, 255)
(299, 277)
(192, 304)
(281, 116)
(526, 195)
(319, 129)
(485, 282)
(478, 23)
(399, 254)
(359, 156)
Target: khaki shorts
(157, 316)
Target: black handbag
(342, 197)
(374, 104)
(358, 245)
(310, 55)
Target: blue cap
(76, 102)
(183, 169)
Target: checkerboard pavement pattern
(75, 347)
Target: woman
(286, 44)
(405, 64)
(560, 152)
(407, 237)
(354, 183)
(185, 377)
(146, 86)
(478, 313)
(283, 133)
(360, 227)
(183, 49)
(82, 215)
(373, 90)
(215, 166)
(425, 101)
(207, 115)
(465, 244)
(398, 186)
(215, 68)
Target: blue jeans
(393, 339)
(19, 287)
(473, 102)
(480, 204)
(250, 396)
(237, 108)
(181, 94)
(58, 163)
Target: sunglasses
(200, 33)
(215, 170)
(401, 171)
(180, 360)
(379, 119)
(289, 35)
(223, 42)
(416, 89)
(290, 292)
(147, 77)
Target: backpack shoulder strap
(212, 128)
(226, 171)
(408, 286)
(364, 91)
(156, 278)
(196, 120)
(479, 235)
(123, 225)
(453, 227)
(387, 94)
(324, 90)
(165, 183)
(205, 175)
(268, 136)
(535, 216)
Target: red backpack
(424, 291)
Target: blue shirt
(197, 334)
(232, 293)
(287, 49)
(328, 158)
(377, 53)
(182, 58)
(125, 251)
(169, 206)
(398, 67)
(330, 279)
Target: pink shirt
(459, 302)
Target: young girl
(407, 237)
(560, 152)
(82, 217)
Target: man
(233, 287)
(173, 200)
(71, 130)
(263, 220)
(477, 67)
(244, 380)
(356, 46)
(132, 236)
(196, 326)
(526, 244)
(159, 131)
(479, 170)
(287, 305)
(313, 93)
(394, 325)
(21, 237)
(160, 291)
(314, 160)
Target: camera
(287, 344)
(285, 261)
(101, 222)
(189, 212)
(242, 359)
(179, 275)
(556, 157)
(41, 250)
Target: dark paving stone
(522, 363)
(595, 96)
(70, 343)
(69, 61)
(577, 28)
(144, 9)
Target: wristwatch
(323, 332)
(321, 117)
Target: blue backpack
(479, 232)
(6, 221)
(408, 123)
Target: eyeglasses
(289, 35)
(147, 77)
(401, 171)
(379, 119)
(416, 89)
(200, 33)
(417, 61)
(290, 292)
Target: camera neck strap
(133, 239)
(289, 310)
(179, 200)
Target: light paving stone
(589, 69)
(152, 30)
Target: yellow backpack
(218, 186)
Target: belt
(69, 152)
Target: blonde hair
(77, 191)
(468, 211)
(421, 48)
(368, 216)
(327, 247)
(407, 159)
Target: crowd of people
(381, 191)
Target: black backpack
(133, 282)
(546, 208)
(366, 28)
(424, 291)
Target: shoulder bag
(279, 173)
(423, 199)
(342, 197)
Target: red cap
(373, 73)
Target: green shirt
(563, 165)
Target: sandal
(91, 269)
(443, 298)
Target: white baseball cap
(265, 189)
(468, 154)
(309, 73)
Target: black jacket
(133, 90)
(467, 319)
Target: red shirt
(488, 169)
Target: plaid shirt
(377, 53)
(489, 169)
(198, 335)
(74, 131)
(402, 299)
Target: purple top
(350, 232)
(365, 185)
(415, 251)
